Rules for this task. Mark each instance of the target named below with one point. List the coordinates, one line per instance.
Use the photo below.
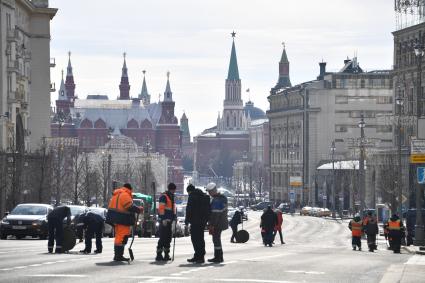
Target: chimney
(322, 70)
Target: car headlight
(37, 223)
(5, 222)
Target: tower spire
(124, 85)
(168, 94)
(283, 80)
(69, 82)
(233, 73)
(144, 95)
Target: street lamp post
(333, 178)
(399, 103)
(61, 123)
(362, 125)
(419, 227)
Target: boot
(167, 256)
(159, 256)
(218, 257)
(85, 251)
(354, 247)
(98, 251)
(119, 251)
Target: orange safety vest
(356, 228)
(118, 207)
(394, 225)
(166, 210)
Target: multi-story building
(307, 118)
(97, 119)
(24, 73)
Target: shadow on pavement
(111, 263)
(202, 264)
(158, 262)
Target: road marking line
(35, 265)
(48, 262)
(250, 280)
(305, 272)
(416, 260)
(156, 277)
(58, 275)
(6, 269)
(20, 267)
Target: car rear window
(29, 210)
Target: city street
(316, 250)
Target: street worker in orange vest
(395, 229)
(166, 216)
(370, 226)
(121, 213)
(356, 227)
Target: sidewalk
(414, 250)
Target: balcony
(52, 87)
(12, 66)
(52, 62)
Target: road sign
(292, 196)
(417, 146)
(417, 158)
(295, 181)
(421, 175)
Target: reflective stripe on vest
(394, 225)
(356, 225)
(168, 206)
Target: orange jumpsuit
(122, 203)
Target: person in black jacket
(197, 213)
(55, 227)
(268, 222)
(234, 222)
(370, 226)
(91, 224)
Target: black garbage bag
(69, 239)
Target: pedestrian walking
(278, 227)
(197, 214)
(90, 224)
(218, 220)
(166, 216)
(395, 229)
(234, 222)
(370, 226)
(55, 226)
(356, 227)
(267, 225)
(121, 214)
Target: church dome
(254, 112)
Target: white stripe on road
(305, 272)
(156, 278)
(250, 280)
(416, 260)
(58, 275)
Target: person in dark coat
(268, 222)
(55, 226)
(370, 226)
(197, 213)
(217, 221)
(92, 225)
(234, 222)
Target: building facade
(24, 74)
(95, 120)
(306, 119)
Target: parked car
(261, 205)
(314, 211)
(305, 210)
(324, 212)
(28, 219)
(285, 207)
(108, 230)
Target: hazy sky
(191, 39)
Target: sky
(191, 39)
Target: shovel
(130, 251)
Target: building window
(279, 179)
(341, 99)
(362, 83)
(384, 100)
(228, 121)
(8, 21)
(384, 129)
(9, 83)
(340, 128)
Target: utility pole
(333, 178)
(362, 184)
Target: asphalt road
(316, 250)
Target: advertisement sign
(295, 181)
